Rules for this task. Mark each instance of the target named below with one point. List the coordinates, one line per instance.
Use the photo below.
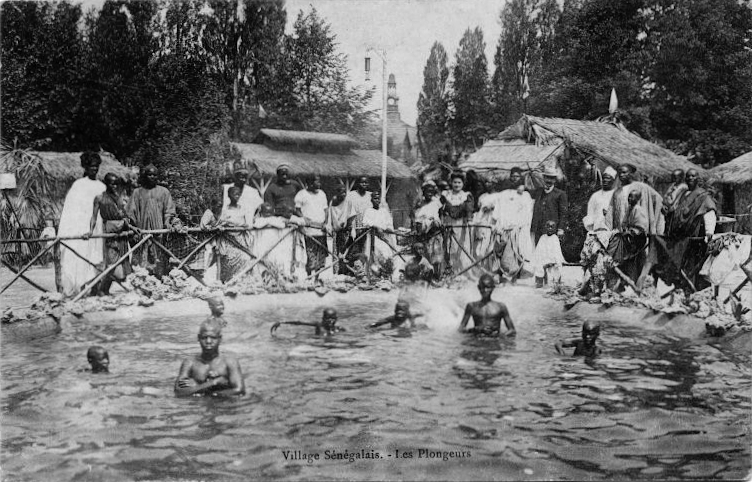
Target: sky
(405, 29)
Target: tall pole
(383, 130)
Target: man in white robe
(74, 221)
(597, 218)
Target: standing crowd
(507, 229)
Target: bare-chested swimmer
(327, 325)
(486, 313)
(584, 346)
(210, 372)
(402, 317)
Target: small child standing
(548, 260)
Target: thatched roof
(62, 166)
(503, 155)
(352, 163)
(610, 143)
(736, 171)
(305, 141)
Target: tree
(312, 85)
(241, 41)
(41, 53)
(702, 73)
(116, 93)
(433, 105)
(469, 122)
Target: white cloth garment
(547, 252)
(250, 200)
(74, 221)
(598, 205)
(313, 208)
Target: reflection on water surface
(653, 406)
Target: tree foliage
(470, 102)
(433, 104)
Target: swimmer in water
(486, 313)
(210, 372)
(584, 346)
(99, 359)
(327, 325)
(402, 317)
(217, 307)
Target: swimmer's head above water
(591, 329)
(328, 318)
(99, 359)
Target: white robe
(514, 217)
(597, 209)
(74, 221)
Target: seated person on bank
(486, 313)
(419, 268)
(327, 325)
(99, 359)
(584, 346)
(402, 317)
(210, 373)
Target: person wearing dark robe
(627, 246)
(674, 191)
(281, 194)
(689, 228)
(151, 207)
(110, 205)
(550, 205)
(649, 199)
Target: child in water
(217, 307)
(402, 317)
(586, 345)
(327, 326)
(99, 359)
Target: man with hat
(250, 199)
(550, 205)
(281, 194)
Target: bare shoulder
(501, 306)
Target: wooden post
(110, 268)
(196, 250)
(58, 267)
(474, 265)
(627, 280)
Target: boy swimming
(486, 313)
(210, 372)
(99, 359)
(402, 317)
(584, 346)
(327, 325)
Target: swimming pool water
(652, 406)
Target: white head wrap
(610, 171)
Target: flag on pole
(613, 104)
(262, 112)
(525, 88)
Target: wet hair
(95, 350)
(328, 310)
(592, 325)
(210, 324)
(486, 278)
(214, 301)
(404, 303)
(90, 157)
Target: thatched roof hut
(43, 180)
(331, 156)
(536, 141)
(735, 179)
